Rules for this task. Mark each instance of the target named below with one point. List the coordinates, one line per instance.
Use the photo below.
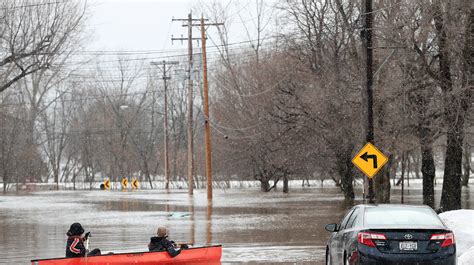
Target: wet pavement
(253, 227)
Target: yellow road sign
(135, 184)
(124, 183)
(107, 184)
(370, 160)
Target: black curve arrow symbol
(366, 158)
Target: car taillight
(367, 238)
(448, 239)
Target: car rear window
(401, 216)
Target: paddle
(88, 235)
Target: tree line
(294, 107)
(285, 104)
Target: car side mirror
(332, 228)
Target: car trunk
(403, 241)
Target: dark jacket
(162, 243)
(75, 247)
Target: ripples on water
(253, 227)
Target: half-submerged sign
(370, 160)
(107, 184)
(135, 184)
(124, 183)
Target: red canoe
(202, 255)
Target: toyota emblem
(408, 236)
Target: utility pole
(368, 52)
(165, 116)
(207, 126)
(190, 39)
(207, 129)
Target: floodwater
(253, 227)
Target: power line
(239, 56)
(217, 54)
(102, 81)
(33, 5)
(97, 97)
(235, 129)
(260, 92)
(227, 136)
(162, 51)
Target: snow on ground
(462, 224)
(467, 257)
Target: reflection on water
(192, 226)
(209, 223)
(253, 227)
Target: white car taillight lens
(448, 239)
(366, 238)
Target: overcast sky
(135, 25)
(146, 24)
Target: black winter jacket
(75, 247)
(162, 243)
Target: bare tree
(34, 35)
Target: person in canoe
(75, 242)
(161, 242)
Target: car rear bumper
(443, 257)
(398, 261)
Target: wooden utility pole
(190, 109)
(165, 77)
(207, 126)
(190, 159)
(207, 129)
(368, 52)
